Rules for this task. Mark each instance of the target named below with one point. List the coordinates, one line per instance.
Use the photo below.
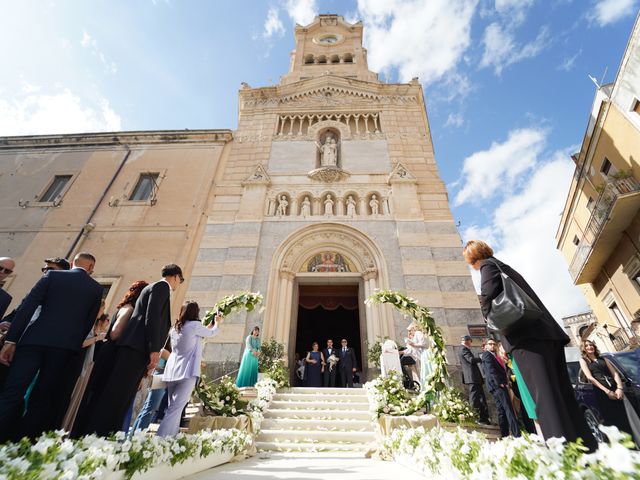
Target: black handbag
(512, 309)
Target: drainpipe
(88, 226)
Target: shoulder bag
(512, 309)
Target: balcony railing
(599, 218)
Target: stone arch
(300, 197)
(289, 204)
(356, 198)
(369, 266)
(315, 130)
(369, 198)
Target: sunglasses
(8, 271)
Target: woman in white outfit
(183, 367)
(421, 352)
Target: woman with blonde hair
(536, 345)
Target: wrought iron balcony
(611, 215)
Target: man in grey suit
(137, 352)
(69, 302)
(472, 377)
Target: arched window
(335, 59)
(348, 58)
(322, 59)
(308, 59)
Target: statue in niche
(305, 210)
(328, 205)
(351, 206)
(374, 204)
(328, 151)
(282, 206)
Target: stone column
(340, 206)
(283, 311)
(316, 208)
(385, 206)
(294, 207)
(370, 277)
(368, 312)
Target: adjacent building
(327, 191)
(599, 233)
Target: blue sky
(506, 86)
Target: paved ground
(306, 466)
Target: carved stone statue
(374, 204)
(328, 151)
(351, 206)
(305, 210)
(282, 206)
(328, 205)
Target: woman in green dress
(248, 373)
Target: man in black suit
(347, 364)
(497, 383)
(69, 302)
(7, 266)
(136, 355)
(472, 377)
(329, 374)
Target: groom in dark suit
(136, 355)
(46, 340)
(347, 365)
(329, 374)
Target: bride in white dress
(420, 346)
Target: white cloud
(514, 10)
(302, 12)
(501, 49)
(522, 231)
(568, 63)
(605, 12)
(30, 113)
(494, 171)
(454, 120)
(423, 38)
(273, 25)
(89, 42)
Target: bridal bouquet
(333, 360)
(231, 303)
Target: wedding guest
(69, 302)
(183, 366)
(538, 350)
(313, 370)
(495, 372)
(155, 397)
(472, 377)
(522, 402)
(7, 266)
(137, 352)
(329, 368)
(347, 365)
(105, 357)
(97, 335)
(608, 386)
(248, 373)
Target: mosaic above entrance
(327, 262)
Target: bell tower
(329, 46)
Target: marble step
(315, 436)
(315, 424)
(318, 414)
(311, 447)
(320, 396)
(318, 405)
(335, 390)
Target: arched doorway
(313, 262)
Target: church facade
(327, 191)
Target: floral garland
(221, 399)
(422, 315)
(266, 389)
(231, 303)
(459, 454)
(387, 396)
(55, 457)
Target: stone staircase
(317, 420)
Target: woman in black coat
(537, 348)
